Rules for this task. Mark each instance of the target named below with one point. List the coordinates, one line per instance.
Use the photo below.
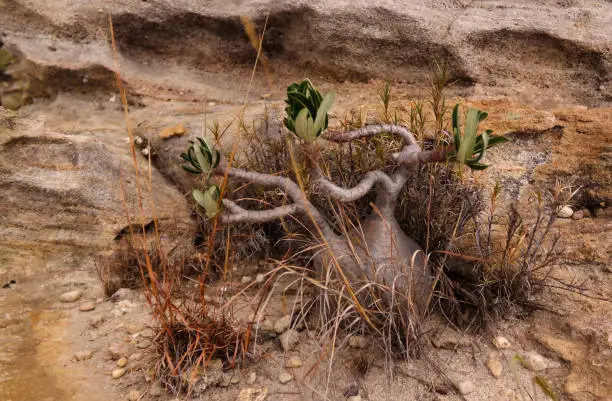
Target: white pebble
(285, 377)
(117, 373)
(565, 212)
(71, 296)
(501, 342)
(282, 324)
(289, 339)
(122, 362)
(465, 387)
(294, 362)
(87, 306)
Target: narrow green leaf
(546, 387)
(198, 196)
(496, 140)
(207, 145)
(203, 160)
(191, 170)
(456, 127)
(477, 166)
(484, 139)
(215, 159)
(304, 126)
(320, 121)
(466, 149)
(208, 200)
(304, 101)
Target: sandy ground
(556, 138)
(42, 335)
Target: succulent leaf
(306, 110)
(471, 148)
(208, 200)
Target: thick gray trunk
(381, 252)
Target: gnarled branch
(237, 214)
(390, 187)
(300, 204)
(411, 152)
(372, 130)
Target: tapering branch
(372, 130)
(409, 156)
(411, 152)
(389, 187)
(238, 214)
(301, 204)
(370, 179)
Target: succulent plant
(202, 157)
(470, 148)
(208, 200)
(306, 111)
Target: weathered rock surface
(62, 195)
(507, 44)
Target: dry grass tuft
(189, 345)
(509, 258)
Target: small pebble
(82, 356)
(71, 296)
(134, 395)
(534, 361)
(260, 278)
(87, 306)
(253, 394)
(246, 279)
(134, 328)
(235, 379)
(117, 351)
(289, 339)
(136, 356)
(354, 398)
(117, 373)
(565, 212)
(586, 213)
(501, 342)
(294, 362)
(494, 364)
(578, 215)
(465, 387)
(251, 377)
(97, 321)
(285, 377)
(282, 324)
(122, 362)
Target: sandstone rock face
(62, 195)
(544, 48)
